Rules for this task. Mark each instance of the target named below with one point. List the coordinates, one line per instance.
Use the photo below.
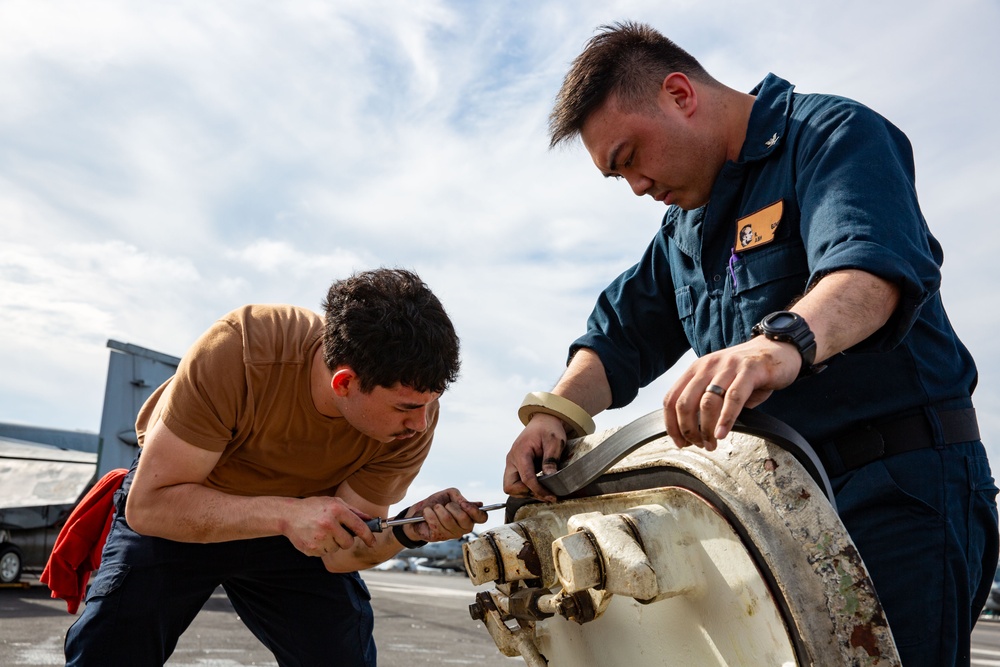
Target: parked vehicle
(39, 486)
(10, 563)
(44, 472)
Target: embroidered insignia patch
(758, 228)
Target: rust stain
(529, 557)
(770, 465)
(804, 495)
(486, 600)
(863, 636)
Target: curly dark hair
(388, 327)
(629, 60)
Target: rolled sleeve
(859, 210)
(892, 267)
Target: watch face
(788, 327)
(781, 320)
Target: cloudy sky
(163, 163)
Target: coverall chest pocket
(768, 279)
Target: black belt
(896, 436)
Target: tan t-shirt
(244, 390)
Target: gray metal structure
(44, 472)
(133, 374)
(80, 441)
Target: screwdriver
(377, 525)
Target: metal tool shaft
(377, 525)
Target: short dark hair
(388, 327)
(627, 59)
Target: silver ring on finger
(715, 389)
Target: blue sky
(163, 163)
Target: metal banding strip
(594, 463)
(650, 427)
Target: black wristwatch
(787, 327)
(402, 537)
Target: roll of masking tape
(575, 417)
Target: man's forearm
(203, 515)
(195, 513)
(585, 382)
(361, 557)
(846, 307)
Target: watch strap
(401, 537)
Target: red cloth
(77, 551)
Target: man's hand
(745, 374)
(322, 525)
(543, 439)
(842, 309)
(447, 516)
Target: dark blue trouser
(925, 523)
(148, 590)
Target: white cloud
(278, 258)
(164, 163)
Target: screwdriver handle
(378, 524)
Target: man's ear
(679, 93)
(342, 381)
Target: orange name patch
(758, 228)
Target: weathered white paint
(672, 581)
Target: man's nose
(417, 420)
(640, 185)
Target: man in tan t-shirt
(279, 434)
